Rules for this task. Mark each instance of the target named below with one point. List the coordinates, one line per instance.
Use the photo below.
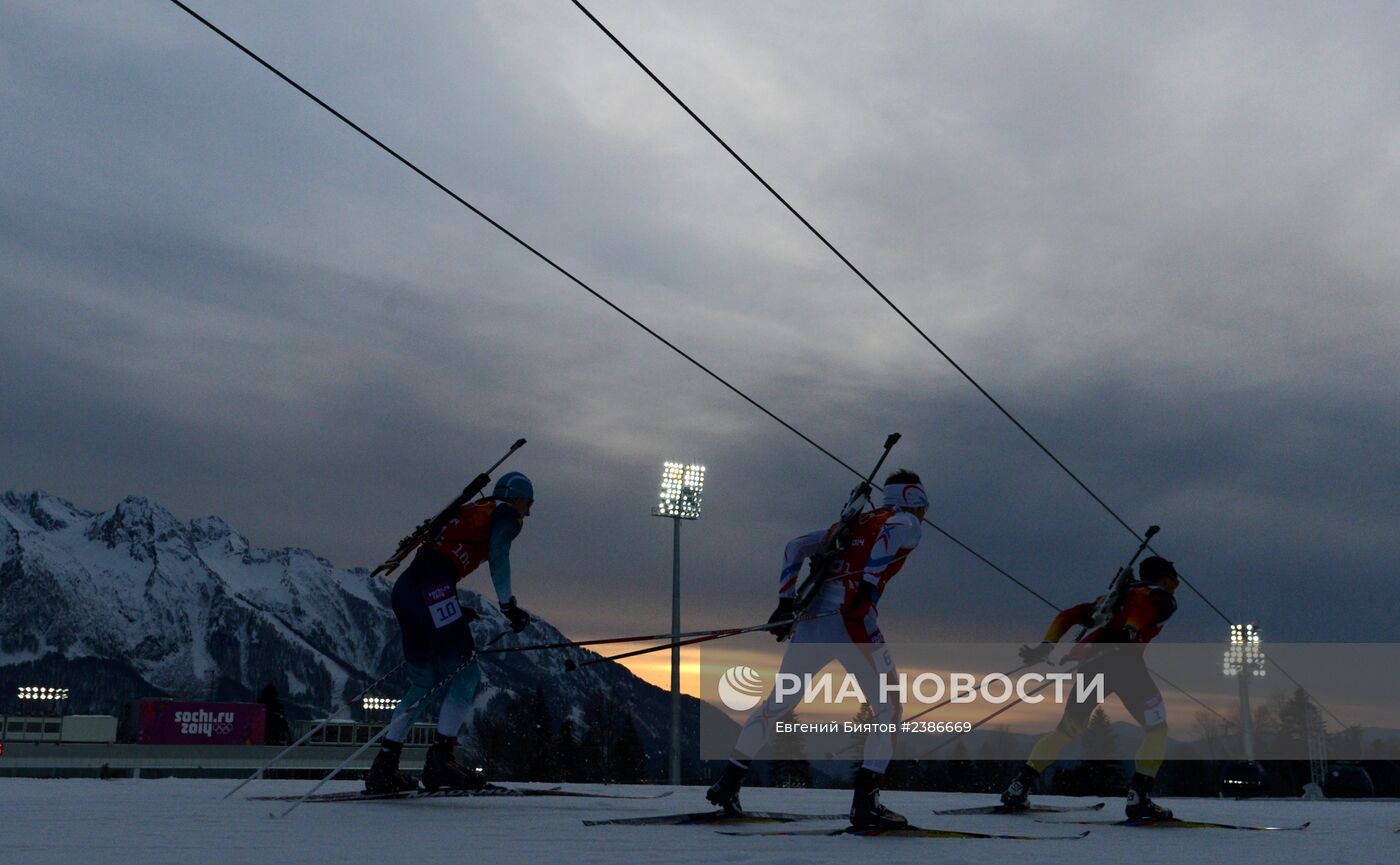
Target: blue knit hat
(514, 485)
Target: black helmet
(1154, 568)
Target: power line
(507, 232)
(579, 282)
(1320, 704)
(871, 285)
(1192, 697)
(576, 280)
(909, 321)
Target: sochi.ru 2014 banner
(171, 722)
(921, 701)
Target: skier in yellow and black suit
(1146, 604)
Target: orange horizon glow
(655, 669)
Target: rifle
(429, 528)
(1107, 606)
(838, 540)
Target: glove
(858, 607)
(469, 615)
(783, 613)
(519, 619)
(1036, 654)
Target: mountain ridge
(134, 602)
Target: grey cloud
(1160, 236)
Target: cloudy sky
(1165, 238)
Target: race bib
(1154, 713)
(442, 605)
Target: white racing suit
(880, 544)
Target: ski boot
(866, 810)
(384, 775)
(1017, 796)
(441, 771)
(1140, 805)
(725, 792)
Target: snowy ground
(90, 822)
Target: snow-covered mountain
(134, 602)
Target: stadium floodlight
(1244, 657)
(379, 704)
(44, 693)
(1244, 660)
(681, 487)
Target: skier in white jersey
(844, 627)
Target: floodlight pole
(675, 651)
(1246, 717)
(681, 488)
(1244, 639)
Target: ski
(362, 796)
(1033, 809)
(488, 790)
(713, 818)
(909, 832)
(1175, 823)
(580, 794)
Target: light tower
(1245, 660)
(46, 696)
(681, 486)
(1317, 751)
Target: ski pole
(1093, 656)
(645, 638)
(940, 746)
(314, 730)
(935, 707)
(1109, 600)
(948, 700)
(374, 740)
(1008, 707)
(706, 637)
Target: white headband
(905, 496)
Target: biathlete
(437, 637)
(1146, 605)
(843, 626)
